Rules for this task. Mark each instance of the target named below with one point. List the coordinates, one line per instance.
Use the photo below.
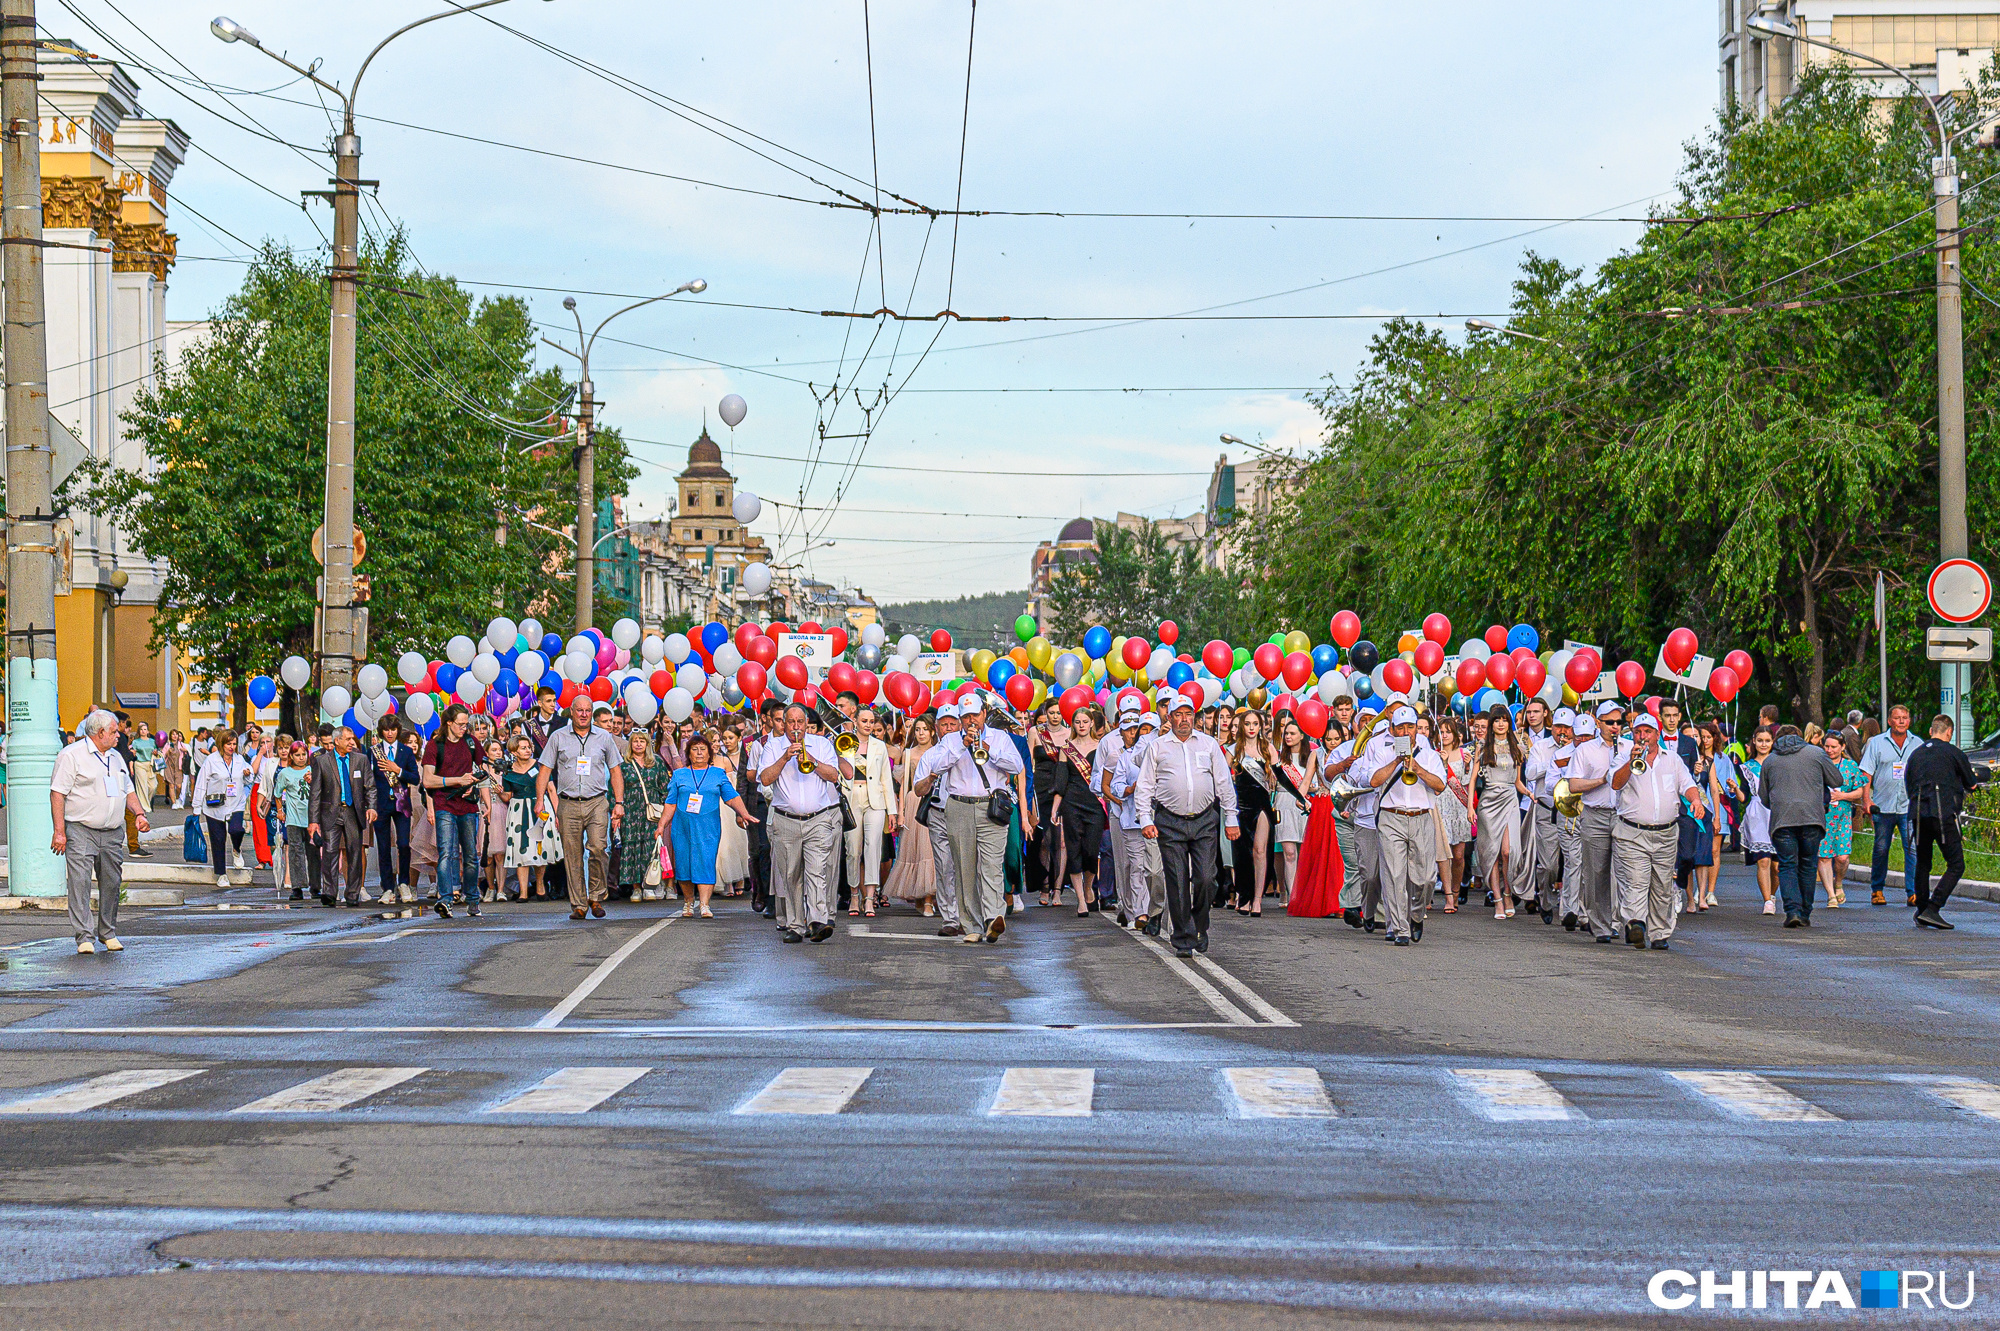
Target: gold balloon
(981, 661)
(1297, 641)
(1115, 663)
(1447, 686)
(1409, 654)
(1040, 653)
(1257, 699)
(1570, 698)
(1041, 693)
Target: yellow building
(1942, 44)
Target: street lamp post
(586, 465)
(1953, 540)
(1488, 326)
(336, 647)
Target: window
(720, 499)
(694, 499)
(697, 533)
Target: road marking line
(1279, 1093)
(570, 1091)
(807, 1091)
(1244, 992)
(860, 930)
(593, 1030)
(1980, 1097)
(336, 1090)
(1750, 1096)
(1515, 1095)
(99, 1091)
(1225, 1009)
(555, 1015)
(1046, 1092)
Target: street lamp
(337, 645)
(586, 473)
(1245, 443)
(1952, 536)
(1488, 326)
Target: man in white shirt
(805, 825)
(1134, 900)
(1650, 786)
(90, 794)
(1590, 776)
(1541, 769)
(1184, 793)
(944, 864)
(1409, 774)
(979, 761)
(1355, 831)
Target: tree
(1139, 578)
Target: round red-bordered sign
(1959, 591)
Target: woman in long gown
(1082, 813)
(914, 877)
(1454, 809)
(732, 857)
(1499, 808)
(1297, 759)
(1254, 761)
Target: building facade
(1942, 44)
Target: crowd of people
(1611, 820)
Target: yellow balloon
(1115, 663)
(1097, 670)
(1040, 653)
(1548, 655)
(1297, 641)
(1447, 686)
(981, 661)
(1407, 643)
(1041, 694)
(1569, 696)
(1409, 653)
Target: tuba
(1343, 791)
(846, 739)
(1567, 804)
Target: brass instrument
(805, 760)
(1567, 804)
(1343, 791)
(977, 746)
(846, 739)
(1638, 761)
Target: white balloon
(1558, 663)
(642, 707)
(691, 677)
(1474, 649)
(712, 699)
(1552, 691)
(577, 665)
(365, 712)
(625, 633)
(500, 634)
(336, 700)
(532, 630)
(373, 679)
(756, 577)
(678, 704)
(874, 635)
(727, 658)
(909, 648)
(297, 672)
(630, 687)
(485, 667)
(653, 650)
(411, 668)
(582, 642)
(896, 664)
(470, 688)
(1159, 663)
(746, 506)
(677, 647)
(460, 651)
(732, 409)
(1332, 686)
(529, 667)
(420, 709)
(1211, 690)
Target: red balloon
(660, 683)
(1074, 697)
(941, 641)
(1500, 671)
(1218, 658)
(1185, 659)
(840, 678)
(896, 689)
(1312, 716)
(923, 699)
(1723, 682)
(567, 693)
(749, 677)
(866, 686)
(1631, 678)
(1297, 670)
(1496, 637)
(811, 626)
(1740, 665)
(1283, 704)
(791, 672)
(1346, 630)
(746, 634)
(1596, 662)
(1192, 691)
(1430, 656)
(1437, 629)
(1170, 632)
(1530, 675)
(1581, 673)
(761, 650)
(1679, 650)
(1523, 655)
(1020, 692)
(1653, 706)
(600, 688)
(1396, 674)
(1129, 692)
(839, 639)
(1269, 658)
(1136, 653)
(775, 629)
(1471, 676)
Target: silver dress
(1499, 812)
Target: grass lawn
(1978, 864)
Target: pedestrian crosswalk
(1342, 1090)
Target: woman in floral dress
(1838, 843)
(646, 781)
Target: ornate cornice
(142, 247)
(81, 202)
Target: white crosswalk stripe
(808, 1091)
(1278, 1093)
(1515, 1095)
(1046, 1092)
(1969, 1093)
(1750, 1096)
(99, 1091)
(570, 1091)
(336, 1090)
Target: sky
(955, 445)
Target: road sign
(1959, 644)
(319, 544)
(1959, 590)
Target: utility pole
(33, 721)
(586, 501)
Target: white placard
(934, 668)
(815, 649)
(1697, 673)
(1606, 687)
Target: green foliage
(970, 618)
(1139, 578)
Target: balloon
(1590, 654)
(1097, 642)
(677, 648)
(497, 703)
(1523, 635)
(625, 633)
(296, 672)
(1429, 658)
(761, 650)
(756, 577)
(1074, 697)
(1364, 689)
(1312, 716)
(1296, 641)
(1020, 691)
(470, 688)
(1067, 670)
(460, 651)
(745, 507)
(1437, 629)
(1297, 669)
(693, 678)
(1332, 687)
(865, 657)
(1258, 697)
(1471, 676)
(1474, 649)
(1447, 686)
(606, 655)
(508, 683)
(447, 678)
(643, 708)
(791, 672)
(839, 636)
(411, 668)
(1488, 699)
(1364, 656)
(1723, 683)
(1324, 658)
(1631, 678)
(1218, 658)
(1740, 665)
(1580, 674)
(998, 673)
(1269, 660)
(1170, 632)
(940, 640)
(1346, 628)
(551, 646)
(1025, 627)
(727, 658)
(908, 647)
(1135, 653)
(1530, 675)
(866, 686)
(1040, 653)
(1179, 673)
(1496, 637)
(335, 700)
(1211, 691)
(600, 689)
(1679, 649)
(1500, 671)
(263, 689)
(420, 709)
(678, 704)
(485, 667)
(1396, 674)
(529, 667)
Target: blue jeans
(1798, 867)
(1886, 827)
(458, 854)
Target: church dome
(705, 459)
(1077, 529)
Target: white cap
(1403, 716)
(971, 702)
(1642, 717)
(1178, 701)
(1129, 720)
(1149, 721)
(1128, 703)
(1565, 717)
(949, 709)
(1605, 709)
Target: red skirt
(260, 832)
(1316, 887)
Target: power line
(944, 471)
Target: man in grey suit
(340, 787)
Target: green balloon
(1025, 627)
(1242, 657)
(1276, 640)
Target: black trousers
(1189, 850)
(1940, 833)
(392, 848)
(1083, 829)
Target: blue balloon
(1461, 704)
(506, 682)
(1000, 672)
(353, 723)
(1364, 687)
(1325, 657)
(1370, 704)
(1483, 701)
(447, 677)
(1097, 641)
(429, 728)
(1524, 635)
(591, 678)
(713, 636)
(263, 689)
(508, 657)
(594, 636)
(552, 646)
(1179, 673)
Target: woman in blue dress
(693, 816)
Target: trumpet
(1638, 761)
(978, 747)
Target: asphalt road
(310, 1118)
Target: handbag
(999, 799)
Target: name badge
(694, 801)
(1896, 770)
(583, 764)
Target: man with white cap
(1566, 864)
(1103, 764)
(1355, 832)
(1547, 763)
(804, 773)
(1185, 793)
(945, 864)
(978, 762)
(1409, 774)
(1134, 898)
(1590, 776)
(1650, 785)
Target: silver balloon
(868, 656)
(731, 695)
(1067, 669)
(732, 409)
(1363, 690)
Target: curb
(134, 896)
(1974, 888)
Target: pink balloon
(622, 659)
(607, 655)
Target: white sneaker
(1771, 908)
(236, 857)
(222, 880)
